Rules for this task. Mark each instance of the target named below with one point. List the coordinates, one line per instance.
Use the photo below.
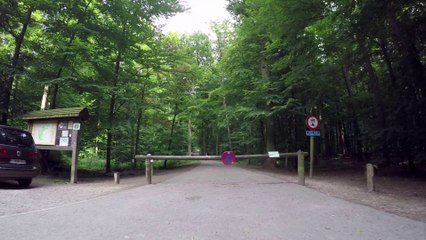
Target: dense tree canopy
(358, 65)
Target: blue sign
(313, 133)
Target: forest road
(212, 201)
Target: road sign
(274, 154)
(312, 122)
(228, 158)
(313, 133)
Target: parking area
(50, 192)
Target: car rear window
(15, 138)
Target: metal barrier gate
(299, 154)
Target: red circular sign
(312, 122)
(228, 158)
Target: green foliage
(340, 60)
(358, 65)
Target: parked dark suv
(18, 155)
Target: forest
(357, 65)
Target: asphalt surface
(212, 201)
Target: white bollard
(117, 177)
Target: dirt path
(398, 195)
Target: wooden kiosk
(58, 129)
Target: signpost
(228, 158)
(312, 123)
(58, 129)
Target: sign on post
(312, 133)
(274, 154)
(58, 129)
(312, 122)
(228, 158)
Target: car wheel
(25, 182)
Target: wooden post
(74, 158)
(117, 177)
(74, 164)
(311, 157)
(370, 177)
(301, 167)
(148, 169)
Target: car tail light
(33, 155)
(3, 152)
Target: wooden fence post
(370, 177)
(301, 167)
(148, 169)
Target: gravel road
(211, 201)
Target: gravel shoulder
(402, 196)
(48, 192)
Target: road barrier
(150, 158)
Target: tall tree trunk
(217, 143)
(205, 135)
(111, 112)
(6, 88)
(269, 121)
(44, 153)
(413, 75)
(342, 137)
(374, 87)
(43, 105)
(138, 129)
(59, 73)
(376, 92)
(385, 53)
(262, 134)
(189, 138)
(228, 128)
(172, 128)
(137, 137)
(338, 144)
(109, 133)
(64, 59)
(98, 125)
(290, 137)
(352, 112)
(172, 131)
